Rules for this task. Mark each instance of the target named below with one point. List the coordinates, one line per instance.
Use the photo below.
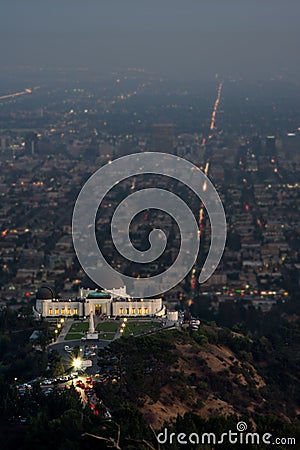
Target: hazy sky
(186, 38)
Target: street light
(77, 363)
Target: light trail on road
(212, 128)
(17, 94)
(206, 170)
(216, 106)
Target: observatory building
(112, 303)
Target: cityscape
(84, 364)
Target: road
(18, 94)
(206, 171)
(68, 357)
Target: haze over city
(178, 39)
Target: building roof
(99, 294)
(45, 293)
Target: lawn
(139, 327)
(107, 336)
(79, 327)
(77, 331)
(107, 330)
(71, 336)
(110, 327)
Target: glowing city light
(77, 363)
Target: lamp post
(77, 362)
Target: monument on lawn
(92, 324)
(92, 334)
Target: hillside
(208, 375)
(203, 381)
(213, 372)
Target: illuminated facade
(112, 304)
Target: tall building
(291, 146)
(256, 145)
(31, 143)
(270, 148)
(5, 142)
(163, 137)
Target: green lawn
(79, 327)
(107, 330)
(139, 327)
(77, 331)
(108, 326)
(71, 336)
(107, 336)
